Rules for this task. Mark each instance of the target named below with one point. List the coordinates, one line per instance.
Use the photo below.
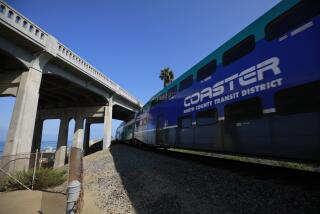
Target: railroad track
(305, 175)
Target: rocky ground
(125, 179)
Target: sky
(131, 41)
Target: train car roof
(256, 28)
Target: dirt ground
(89, 206)
(125, 179)
(31, 202)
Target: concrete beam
(8, 90)
(58, 98)
(10, 77)
(21, 54)
(95, 120)
(9, 83)
(97, 111)
(125, 105)
(77, 79)
(58, 101)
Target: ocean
(45, 145)
(1, 146)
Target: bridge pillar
(76, 151)
(37, 135)
(78, 133)
(20, 134)
(36, 141)
(61, 150)
(107, 126)
(21, 129)
(86, 138)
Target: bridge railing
(70, 56)
(21, 23)
(14, 19)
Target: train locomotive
(258, 94)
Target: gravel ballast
(125, 179)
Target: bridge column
(37, 135)
(107, 126)
(76, 151)
(86, 138)
(36, 141)
(78, 133)
(61, 150)
(19, 139)
(20, 134)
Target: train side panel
(267, 102)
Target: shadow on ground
(163, 182)
(27, 201)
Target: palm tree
(167, 76)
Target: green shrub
(44, 178)
(3, 183)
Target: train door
(185, 132)
(246, 131)
(160, 137)
(207, 134)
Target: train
(258, 94)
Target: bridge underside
(56, 98)
(55, 91)
(8, 63)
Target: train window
(300, 99)
(187, 82)
(145, 108)
(172, 92)
(239, 50)
(207, 117)
(145, 121)
(154, 101)
(137, 123)
(162, 97)
(291, 19)
(244, 110)
(185, 122)
(207, 70)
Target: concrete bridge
(50, 81)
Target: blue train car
(258, 94)
(125, 131)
